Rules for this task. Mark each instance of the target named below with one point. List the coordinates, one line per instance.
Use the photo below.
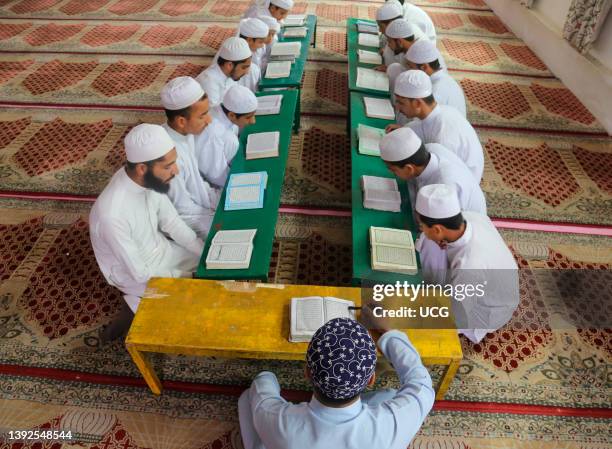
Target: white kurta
(216, 147)
(447, 91)
(481, 256)
(258, 8)
(445, 125)
(260, 59)
(445, 168)
(215, 83)
(416, 16)
(126, 224)
(195, 200)
(252, 78)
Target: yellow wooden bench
(247, 320)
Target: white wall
(590, 79)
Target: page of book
(297, 31)
(388, 236)
(234, 236)
(278, 69)
(338, 308)
(393, 255)
(391, 196)
(269, 104)
(247, 179)
(372, 79)
(294, 20)
(379, 108)
(365, 27)
(369, 138)
(233, 252)
(378, 183)
(369, 57)
(368, 40)
(262, 142)
(244, 194)
(308, 314)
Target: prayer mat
(54, 301)
(115, 417)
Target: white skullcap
(285, 4)
(399, 144)
(399, 29)
(422, 51)
(390, 10)
(253, 28)
(240, 100)
(180, 93)
(438, 201)
(413, 84)
(147, 142)
(235, 49)
(271, 22)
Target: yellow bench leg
(447, 378)
(143, 364)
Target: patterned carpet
(79, 75)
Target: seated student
(436, 123)
(263, 54)
(400, 37)
(418, 17)
(187, 113)
(273, 8)
(424, 55)
(232, 62)
(255, 32)
(217, 145)
(387, 13)
(135, 230)
(340, 363)
(408, 158)
(477, 255)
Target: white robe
(447, 91)
(481, 256)
(127, 224)
(417, 16)
(216, 147)
(445, 125)
(260, 58)
(252, 78)
(258, 8)
(195, 200)
(445, 168)
(215, 83)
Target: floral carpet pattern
(79, 75)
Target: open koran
(367, 27)
(261, 145)
(308, 314)
(379, 108)
(369, 139)
(381, 194)
(296, 31)
(369, 57)
(278, 69)
(269, 105)
(246, 191)
(393, 250)
(286, 49)
(372, 79)
(231, 250)
(294, 20)
(368, 40)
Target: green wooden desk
(351, 47)
(364, 218)
(263, 219)
(294, 80)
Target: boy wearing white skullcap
(255, 32)
(188, 114)
(136, 232)
(218, 144)
(419, 18)
(387, 13)
(476, 255)
(273, 30)
(232, 62)
(436, 123)
(423, 55)
(421, 164)
(273, 8)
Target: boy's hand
(392, 127)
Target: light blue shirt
(369, 423)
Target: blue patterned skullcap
(342, 358)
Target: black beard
(154, 183)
